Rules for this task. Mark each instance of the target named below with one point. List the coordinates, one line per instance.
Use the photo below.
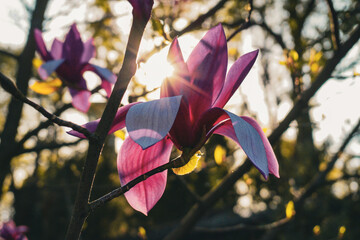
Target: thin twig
(11, 88)
(321, 176)
(50, 146)
(197, 23)
(245, 24)
(42, 125)
(175, 163)
(9, 54)
(248, 227)
(334, 25)
(318, 179)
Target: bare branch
(239, 227)
(11, 88)
(245, 24)
(197, 23)
(334, 25)
(9, 54)
(50, 146)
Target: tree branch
(247, 227)
(23, 74)
(197, 23)
(11, 88)
(9, 54)
(245, 24)
(318, 179)
(334, 25)
(50, 146)
(81, 208)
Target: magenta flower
(9, 231)
(70, 59)
(191, 104)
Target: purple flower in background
(9, 231)
(70, 59)
(189, 111)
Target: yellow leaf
(282, 63)
(318, 56)
(233, 51)
(294, 55)
(219, 154)
(158, 26)
(120, 134)
(37, 62)
(190, 166)
(314, 67)
(316, 230)
(290, 210)
(334, 174)
(46, 87)
(342, 231)
(142, 232)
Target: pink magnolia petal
(207, 65)
(271, 158)
(40, 45)
(73, 47)
(142, 9)
(149, 122)
(49, 67)
(132, 162)
(89, 51)
(80, 99)
(248, 138)
(236, 75)
(56, 49)
(117, 124)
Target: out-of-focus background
(297, 41)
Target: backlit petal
(271, 158)
(149, 122)
(89, 51)
(207, 65)
(133, 161)
(40, 45)
(118, 123)
(56, 49)
(49, 67)
(175, 85)
(80, 99)
(248, 138)
(235, 76)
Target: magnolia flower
(70, 59)
(189, 111)
(9, 231)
